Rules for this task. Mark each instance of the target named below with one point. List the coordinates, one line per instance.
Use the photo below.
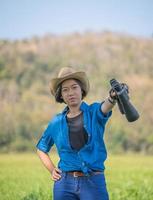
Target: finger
(58, 170)
(113, 94)
(57, 175)
(55, 179)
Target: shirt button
(83, 163)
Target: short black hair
(58, 93)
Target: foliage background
(26, 67)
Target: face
(71, 92)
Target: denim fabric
(92, 187)
(92, 155)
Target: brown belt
(79, 174)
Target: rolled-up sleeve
(102, 118)
(46, 142)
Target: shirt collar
(83, 107)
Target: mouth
(72, 99)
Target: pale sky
(21, 19)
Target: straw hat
(69, 73)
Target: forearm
(108, 104)
(47, 162)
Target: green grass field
(22, 177)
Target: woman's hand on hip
(56, 174)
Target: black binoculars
(123, 100)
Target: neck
(74, 111)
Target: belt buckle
(75, 174)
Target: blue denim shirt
(92, 155)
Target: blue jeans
(91, 187)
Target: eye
(75, 86)
(64, 89)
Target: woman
(77, 133)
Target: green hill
(26, 67)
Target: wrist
(51, 171)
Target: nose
(70, 92)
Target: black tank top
(78, 136)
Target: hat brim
(81, 76)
